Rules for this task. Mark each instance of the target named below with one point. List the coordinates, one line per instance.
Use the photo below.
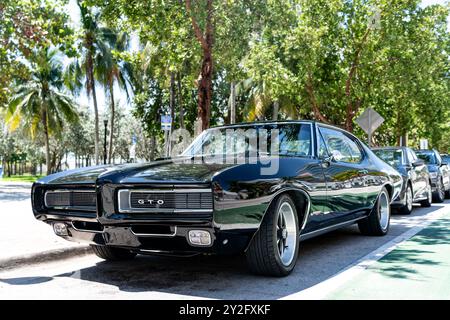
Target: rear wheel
(427, 202)
(112, 253)
(447, 194)
(408, 207)
(274, 249)
(439, 194)
(377, 223)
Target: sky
(74, 13)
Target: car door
(345, 175)
(418, 174)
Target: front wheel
(112, 253)
(274, 249)
(439, 195)
(377, 223)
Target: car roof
(388, 148)
(263, 123)
(424, 151)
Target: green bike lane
(418, 268)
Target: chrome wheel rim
(286, 233)
(409, 199)
(384, 210)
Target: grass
(24, 178)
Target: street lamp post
(105, 122)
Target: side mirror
(327, 161)
(444, 164)
(418, 162)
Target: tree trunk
(91, 87)
(233, 103)
(152, 148)
(111, 130)
(180, 100)
(205, 90)
(206, 41)
(172, 100)
(276, 108)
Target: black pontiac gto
(256, 188)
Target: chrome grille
(192, 200)
(71, 199)
(170, 200)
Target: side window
(412, 156)
(341, 146)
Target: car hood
(433, 167)
(166, 171)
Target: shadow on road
(14, 192)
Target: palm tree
(261, 101)
(96, 42)
(41, 103)
(110, 70)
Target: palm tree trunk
(91, 86)
(47, 142)
(111, 130)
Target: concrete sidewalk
(23, 239)
(417, 269)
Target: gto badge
(151, 202)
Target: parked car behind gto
(439, 173)
(416, 178)
(226, 194)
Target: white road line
(321, 290)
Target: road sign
(423, 144)
(369, 121)
(166, 123)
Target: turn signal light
(200, 237)
(60, 229)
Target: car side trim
(318, 232)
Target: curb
(44, 256)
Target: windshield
(391, 156)
(282, 139)
(428, 157)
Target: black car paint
(441, 168)
(414, 173)
(328, 194)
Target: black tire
(439, 194)
(406, 209)
(371, 226)
(263, 257)
(427, 202)
(447, 194)
(112, 253)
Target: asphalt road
(205, 277)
